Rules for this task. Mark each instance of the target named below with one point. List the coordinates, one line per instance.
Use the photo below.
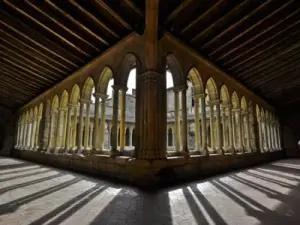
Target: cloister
(149, 91)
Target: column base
(204, 151)
(114, 152)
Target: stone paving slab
(35, 194)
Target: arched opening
(226, 120)
(245, 125)
(127, 137)
(196, 111)
(264, 131)
(74, 120)
(54, 121)
(47, 125)
(86, 115)
(236, 123)
(62, 121)
(170, 137)
(212, 103)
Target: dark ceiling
(256, 42)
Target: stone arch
(40, 112)
(75, 94)
(55, 103)
(195, 78)
(104, 78)
(211, 90)
(35, 112)
(87, 89)
(176, 71)
(64, 100)
(244, 105)
(129, 62)
(258, 114)
(224, 95)
(235, 100)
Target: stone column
(151, 121)
(114, 129)
(261, 146)
(21, 136)
(37, 132)
(279, 136)
(80, 133)
(59, 127)
(204, 149)
(51, 119)
(177, 120)
(87, 125)
(230, 129)
(239, 130)
(247, 132)
(96, 135)
(211, 123)
(224, 133)
(130, 136)
(65, 117)
(276, 136)
(122, 117)
(102, 125)
(184, 122)
(33, 127)
(68, 128)
(109, 135)
(74, 128)
(219, 148)
(197, 124)
(91, 135)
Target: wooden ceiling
(257, 42)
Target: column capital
(64, 109)
(82, 100)
(70, 105)
(236, 110)
(180, 88)
(119, 88)
(214, 102)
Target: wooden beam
(95, 19)
(19, 71)
(73, 20)
(207, 12)
(275, 67)
(12, 40)
(54, 33)
(18, 79)
(14, 64)
(50, 17)
(13, 54)
(217, 23)
(270, 59)
(151, 30)
(249, 29)
(136, 9)
(176, 12)
(235, 25)
(18, 27)
(25, 66)
(282, 22)
(113, 14)
(283, 42)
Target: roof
(255, 42)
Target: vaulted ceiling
(256, 42)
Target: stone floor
(35, 194)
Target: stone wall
(146, 172)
